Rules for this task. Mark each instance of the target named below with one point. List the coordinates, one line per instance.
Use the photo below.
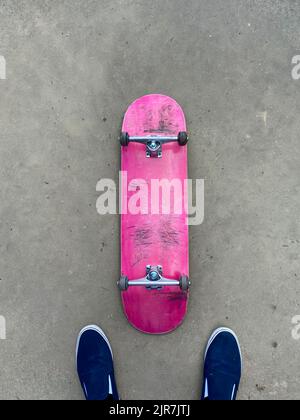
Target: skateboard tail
(152, 318)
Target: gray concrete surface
(72, 68)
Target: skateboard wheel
(123, 283)
(184, 283)
(124, 139)
(182, 138)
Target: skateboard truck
(154, 143)
(154, 280)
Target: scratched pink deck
(154, 239)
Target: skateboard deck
(154, 244)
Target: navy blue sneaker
(95, 365)
(222, 366)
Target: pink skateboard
(154, 230)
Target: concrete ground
(72, 69)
